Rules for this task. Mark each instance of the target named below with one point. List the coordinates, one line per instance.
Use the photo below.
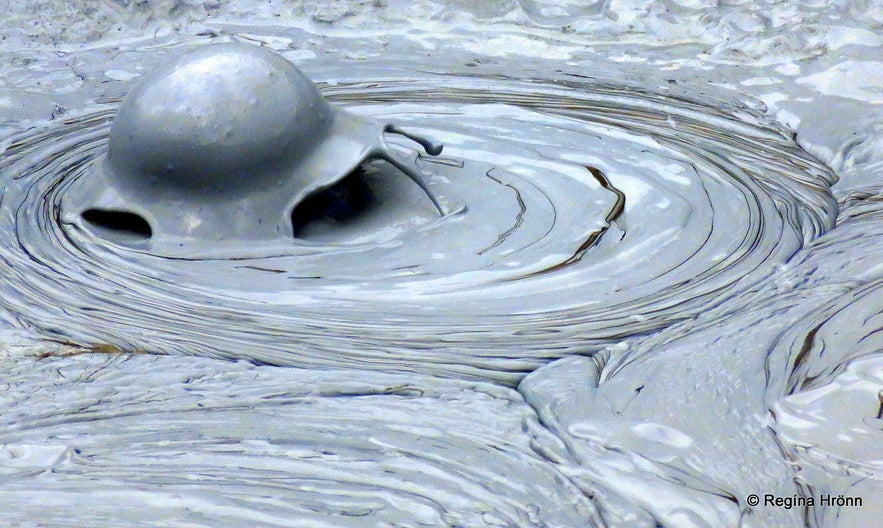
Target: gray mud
(657, 292)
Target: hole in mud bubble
(374, 203)
(342, 203)
(120, 225)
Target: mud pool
(656, 290)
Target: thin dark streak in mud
(519, 217)
(595, 237)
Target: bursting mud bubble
(646, 301)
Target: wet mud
(646, 299)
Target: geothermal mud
(648, 299)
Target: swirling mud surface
(641, 307)
(581, 215)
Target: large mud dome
(656, 298)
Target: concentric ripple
(582, 214)
(182, 442)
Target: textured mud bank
(657, 295)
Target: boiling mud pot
(578, 216)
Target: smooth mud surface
(654, 297)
